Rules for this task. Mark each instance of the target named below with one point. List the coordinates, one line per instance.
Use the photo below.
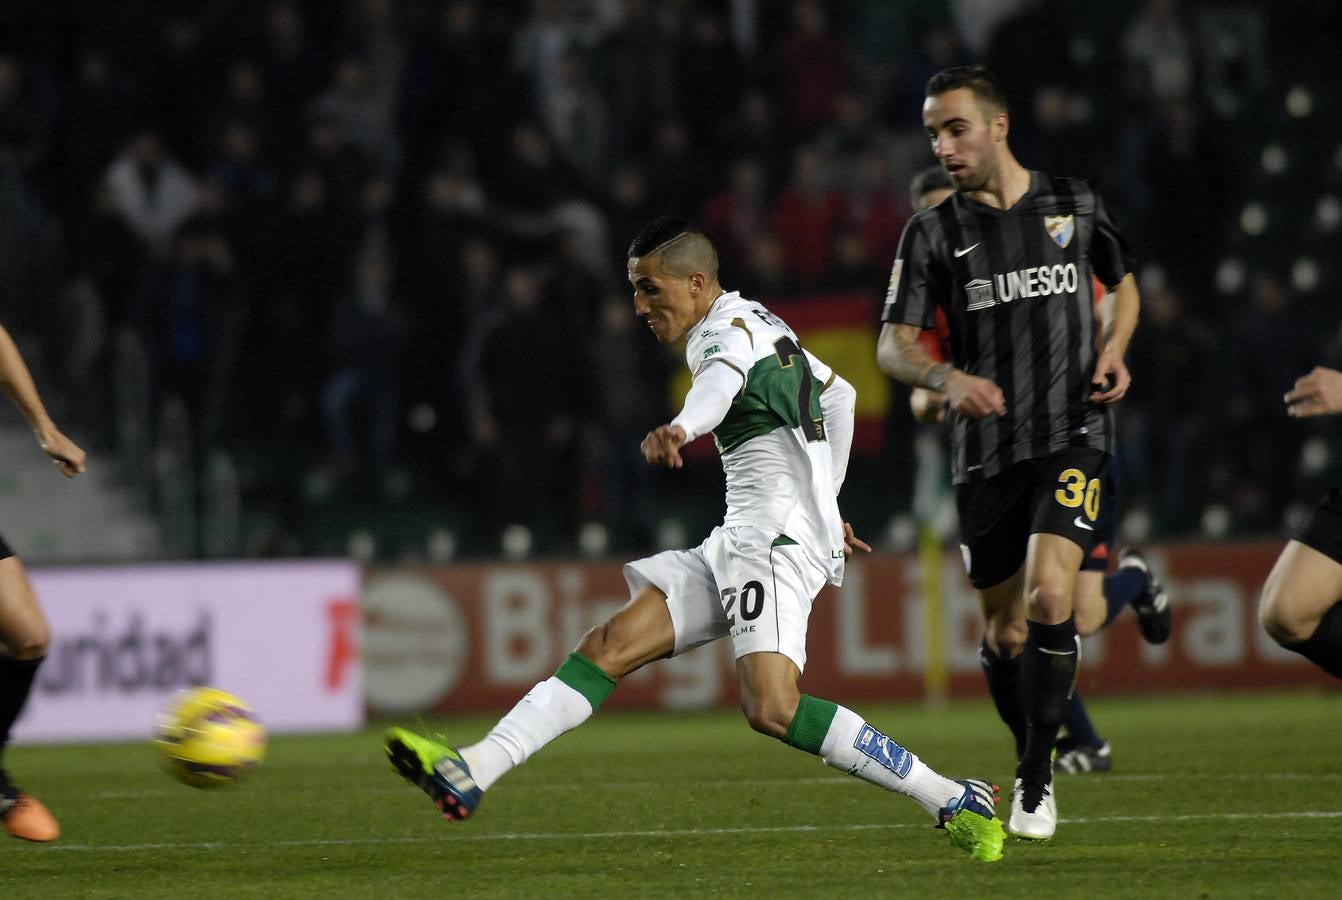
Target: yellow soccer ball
(209, 738)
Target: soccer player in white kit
(783, 423)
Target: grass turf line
(1206, 799)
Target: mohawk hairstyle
(978, 79)
(658, 232)
(683, 247)
(930, 179)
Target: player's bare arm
(1318, 393)
(17, 383)
(1111, 373)
(900, 357)
(662, 446)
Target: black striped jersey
(1016, 288)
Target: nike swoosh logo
(1079, 524)
(960, 253)
(1057, 652)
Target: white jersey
(779, 468)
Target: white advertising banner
(284, 636)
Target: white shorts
(739, 583)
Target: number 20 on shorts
(1077, 491)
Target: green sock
(587, 678)
(810, 724)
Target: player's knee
(771, 712)
(1274, 614)
(1048, 601)
(1006, 638)
(30, 643)
(607, 646)
(1087, 622)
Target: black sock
(1121, 589)
(16, 682)
(1078, 724)
(1324, 646)
(1003, 677)
(1048, 674)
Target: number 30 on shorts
(1077, 491)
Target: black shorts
(1323, 531)
(1106, 526)
(1061, 494)
(5, 552)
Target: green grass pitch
(1211, 796)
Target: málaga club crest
(1060, 228)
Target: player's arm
(1114, 264)
(838, 404)
(1111, 377)
(17, 383)
(1318, 393)
(711, 393)
(929, 406)
(901, 356)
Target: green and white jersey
(778, 464)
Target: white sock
(548, 710)
(859, 749)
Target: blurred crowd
(376, 247)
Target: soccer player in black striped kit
(1009, 258)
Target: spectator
(807, 214)
(22, 128)
(521, 386)
(628, 209)
(852, 268)
(1165, 416)
(1158, 55)
(362, 108)
(192, 315)
(710, 77)
(575, 117)
(363, 383)
(812, 63)
(1270, 345)
(640, 61)
(679, 174)
(734, 216)
(93, 125)
(294, 71)
(766, 276)
(153, 192)
(877, 208)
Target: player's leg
(1067, 499)
(768, 618)
(674, 606)
(1079, 746)
(23, 636)
(1301, 606)
(1003, 606)
(843, 740)
(994, 526)
(456, 778)
(1048, 674)
(1099, 602)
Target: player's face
(964, 137)
(666, 302)
(929, 199)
